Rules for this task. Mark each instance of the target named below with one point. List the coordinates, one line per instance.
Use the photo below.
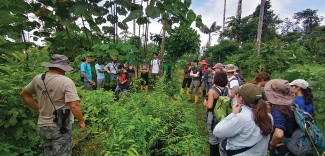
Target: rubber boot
(204, 93)
(196, 99)
(147, 89)
(189, 97)
(182, 91)
(141, 88)
(199, 90)
(188, 91)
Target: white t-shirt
(155, 66)
(232, 84)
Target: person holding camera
(57, 105)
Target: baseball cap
(300, 83)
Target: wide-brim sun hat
(59, 61)
(229, 68)
(279, 92)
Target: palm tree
(260, 27)
(213, 29)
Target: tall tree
(214, 28)
(238, 18)
(309, 19)
(260, 27)
(224, 15)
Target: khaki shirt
(61, 89)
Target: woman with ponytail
(246, 131)
(304, 97)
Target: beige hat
(279, 92)
(300, 83)
(59, 61)
(250, 92)
(229, 68)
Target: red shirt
(204, 67)
(122, 78)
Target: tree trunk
(238, 18)
(209, 41)
(224, 17)
(239, 10)
(162, 46)
(134, 22)
(260, 28)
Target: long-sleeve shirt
(241, 131)
(112, 67)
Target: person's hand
(82, 126)
(236, 108)
(92, 82)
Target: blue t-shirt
(288, 125)
(300, 100)
(100, 75)
(85, 67)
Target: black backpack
(240, 79)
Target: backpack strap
(234, 78)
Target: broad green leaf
(19, 132)
(13, 121)
(142, 20)
(191, 16)
(152, 12)
(113, 52)
(122, 25)
(133, 15)
(104, 46)
(126, 47)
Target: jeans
(100, 83)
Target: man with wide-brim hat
(232, 81)
(55, 93)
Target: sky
(212, 10)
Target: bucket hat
(279, 92)
(59, 61)
(229, 68)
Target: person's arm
(106, 68)
(83, 72)
(229, 126)
(276, 138)
(209, 104)
(279, 127)
(76, 111)
(99, 69)
(29, 100)
(232, 84)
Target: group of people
(124, 73)
(261, 114)
(261, 111)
